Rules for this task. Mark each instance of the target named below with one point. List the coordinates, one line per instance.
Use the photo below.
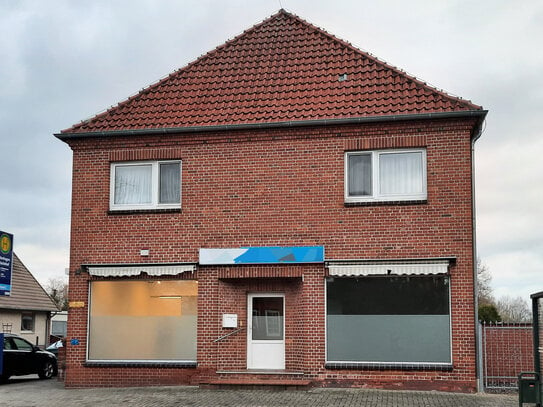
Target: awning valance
(373, 268)
(134, 270)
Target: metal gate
(537, 316)
(507, 350)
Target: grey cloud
(64, 61)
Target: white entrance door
(266, 331)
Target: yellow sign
(5, 244)
(76, 304)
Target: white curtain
(359, 173)
(400, 173)
(169, 183)
(133, 184)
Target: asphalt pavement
(29, 391)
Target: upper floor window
(385, 175)
(145, 185)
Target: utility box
(229, 320)
(529, 388)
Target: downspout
(48, 319)
(478, 338)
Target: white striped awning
(367, 268)
(152, 270)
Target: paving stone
(30, 391)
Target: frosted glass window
(388, 320)
(149, 320)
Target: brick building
(286, 209)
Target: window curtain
(359, 173)
(133, 184)
(169, 183)
(400, 173)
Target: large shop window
(389, 319)
(389, 175)
(148, 320)
(145, 185)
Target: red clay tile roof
(281, 70)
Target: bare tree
(506, 309)
(57, 288)
(484, 289)
(514, 309)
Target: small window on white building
(387, 175)
(145, 185)
(27, 321)
(59, 328)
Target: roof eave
(479, 114)
(28, 308)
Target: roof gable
(26, 293)
(281, 70)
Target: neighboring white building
(27, 312)
(59, 324)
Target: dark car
(22, 358)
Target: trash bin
(529, 388)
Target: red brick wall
(271, 188)
(231, 298)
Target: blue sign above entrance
(6, 262)
(263, 255)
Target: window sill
(142, 211)
(388, 366)
(383, 203)
(143, 364)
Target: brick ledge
(388, 366)
(262, 372)
(142, 364)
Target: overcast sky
(64, 61)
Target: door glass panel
(268, 318)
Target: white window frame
(28, 314)
(155, 193)
(376, 196)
